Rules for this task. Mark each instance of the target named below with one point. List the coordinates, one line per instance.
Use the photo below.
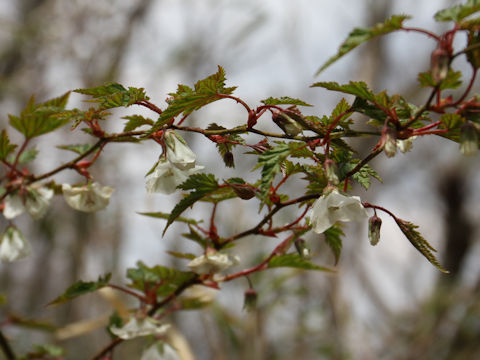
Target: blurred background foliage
(384, 303)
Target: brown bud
(439, 64)
(243, 191)
(250, 299)
(374, 225)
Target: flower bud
(468, 139)
(250, 299)
(228, 159)
(331, 171)
(302, 249)
(243, 191)
(374, 225)
(389, 141)
(285, 121)
(439, 64)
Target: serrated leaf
(202, 184)
(28, 155)
(360, 35)
(165, 280)
(357, 88)
(77, 148)
(5, 146)
(458, 12)
(362, 176)
(186, 100)
(294, 261)
(114, 95)
(181, 255)
(39, 119)
(135, 121)
(452, 121)
(284, 100)
(452, 81)
(417, 240)
(165, 216)
(333, 238)
(81, 288)
(272, 160)
(195, 236)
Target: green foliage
(452, 121)
(225, 148)
(165, 216)
(294, 261)
(362, 176)
(81, 288)
(284, 100)
(195, 236)
(357, 88)
(26, 156)
(77, 148)
(135, 121)
(272, 160)
(417, 240)
(39, 119)
(114, 95)
(452, 81)
(202, 184)
(360, 35)
(5, 146)
(458, 12)
(186, 100)
(333, 238)
(164, 280)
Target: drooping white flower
(166, 177)
(212, 263)
(178, 152)
(333, 207)
(160, 351)
(87, 198)
(139, 327)
(36, 203)
(13, 245)
(405, 145)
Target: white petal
(13, 206)
(160, 351)
(38, 202)
(212, 263)
(178, 152)
(13, 245)
(320, 216)
(139, 327)
(166, 177)
(87, 198)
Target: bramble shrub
(315, 148)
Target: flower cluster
(174, 166)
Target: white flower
(13, 245)
(405, 145)
(212, 263)
(37, 202)
(166, 177)
(178, 152)
(87, 198)
(139, 327)
(160, 351)
(333, 207)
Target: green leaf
(294, 261)
(458, 12)
(135, 121)
(357, 88)
(165, 216)
(333, 238)
(39, 119)
(81, 288)
(28, 155)
(272, 160)
(78, 148)
(186, 100)
(5, 146)
(180, 255)
(195, 236)
(202, 184)
(360, 35)
(362, 176)
(419, 242)
(284, 100)
(452, 121)
(164, 280)
(114, 95)
(452, 81)
(47, 349)
(225, 148)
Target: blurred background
(385, 302)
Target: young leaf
(81, 288)
(272, 160)
(114, 95)
(28, 155)
(452, 81)
(180, 255)
(39, 119)
(284, 100)
(5, 146)
(195, 236)
(202, 184)
(363, 175)
(135, 121)
(333, 238)
(361, 35)
(458, 12)
(225, 148)
(294, 261)
(186, 100)
(165, 216)
(357, 88)
(164, 280)
(78, 148)
(419, 242)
